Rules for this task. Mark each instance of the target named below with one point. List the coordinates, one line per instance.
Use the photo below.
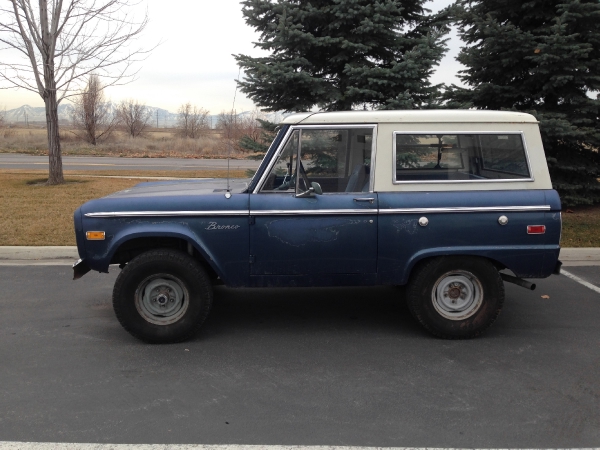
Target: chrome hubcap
(457, 295)
(161, 299)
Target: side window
(456, 157)
(338, 159)
(503, 153)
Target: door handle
(370, 200)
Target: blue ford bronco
(445, 202)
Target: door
(314, 213)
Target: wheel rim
(457, 295)
(161, 299)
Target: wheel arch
(129, 246)
(423, 257)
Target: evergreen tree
(343, 54)
(541, 57)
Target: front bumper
(80, 268)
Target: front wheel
(162, 296)
(456, 297)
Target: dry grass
(35, 214)
(156, 143)
(581, 227)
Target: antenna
(229, 134)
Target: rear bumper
(557, 268)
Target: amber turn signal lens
(95, 235)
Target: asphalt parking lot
(341, 366)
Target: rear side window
(460, 157)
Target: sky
(193, 62)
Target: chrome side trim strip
(319, 212)
(168, 213)
(311, 212)
(462, 209)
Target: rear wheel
(456, 297)
(162, 296)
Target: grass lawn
(35, 214)
(581, 227)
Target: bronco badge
(216, 226)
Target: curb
(588, 256)
(24, 253)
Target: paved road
(344, 366)
(18, 161)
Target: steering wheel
(291, 181)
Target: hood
(182, 187)
(168, 196)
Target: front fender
(100, 253)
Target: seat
(357, 179)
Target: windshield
(272, 148)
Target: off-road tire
(181, 271)
(426, 299)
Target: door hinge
(251, 220)
(252, 259)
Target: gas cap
(423, 221)
(502, 220)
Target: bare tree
(134, 116)
(51, 46)
(234, 127)
(192, 121)
(92, 115)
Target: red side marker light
(536, 229)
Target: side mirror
(315, 188)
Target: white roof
(411, 116)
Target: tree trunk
(55, 172)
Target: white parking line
(580, 280)
(61, 446)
